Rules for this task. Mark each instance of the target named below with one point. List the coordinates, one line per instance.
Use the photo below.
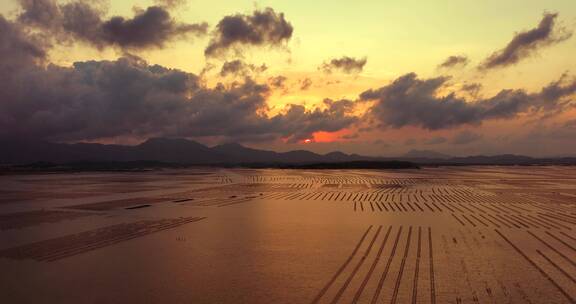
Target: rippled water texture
(435, 235)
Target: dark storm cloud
(305, 84)
(556, 90)
(277, 81)
(454, 61)
(262, 28)
(170, 3)
(152, 27)
(17, 49)
(297, 123)
(93, 100)
(128, 97)
(240, 68)
(409, 101)
(345, 64)
(527, 43)
(472, 88)
(232, 67)
(42, 13)
(466, 137)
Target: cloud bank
(240, 68)
(79, 21)
(93, 100)
(527, 43)
(261, 28)
(347, 65)
(410, 101)
(454, 61)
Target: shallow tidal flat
(434, 235)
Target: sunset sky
(367, 77)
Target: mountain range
(184, 151)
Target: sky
(368, 77)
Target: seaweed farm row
(433, 235)
(70, 245)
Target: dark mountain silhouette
(183, 151)
(237, 153)
(504, 159)
(425, 154)
(156, 149)
(175, 151)
(341, 157)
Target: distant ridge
(188, 152)
(425, 154)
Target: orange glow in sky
(432, 76)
